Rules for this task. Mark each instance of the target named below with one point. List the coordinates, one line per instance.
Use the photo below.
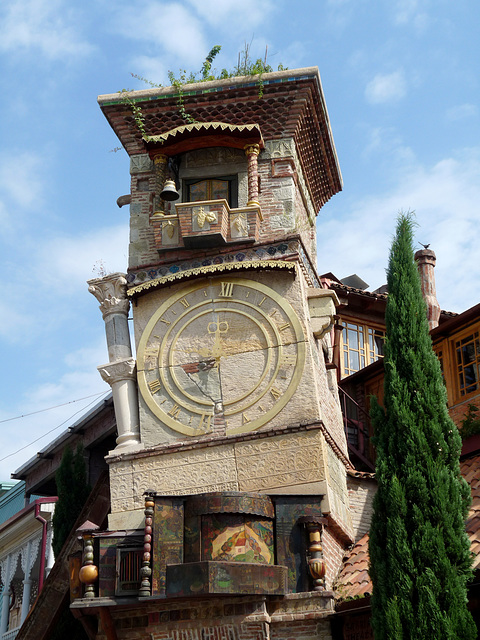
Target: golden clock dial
(220, 355)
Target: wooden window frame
(457, 368)
(369, 356)
(232, 187)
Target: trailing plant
(245, 66)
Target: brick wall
(333, 552)
(304, 630)
(361, 492)
(218, 619)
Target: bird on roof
(425, 246)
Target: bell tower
(231, 446)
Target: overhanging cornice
(212, 269)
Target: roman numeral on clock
(275, 393)
(175, 411)
(205, 419)
(155, 385)
(226, 289)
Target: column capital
(118, 370)
(160, 158)
(252, 149)
(111, 292)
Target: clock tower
(231, 459)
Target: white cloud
(245, 15)
(167, 28)
(22, 189)
(68, 261)
(461, 111)
(53, 286)
(445, 198)
(45, 26)
(80, 380)
(21, 178)
(386, 88)
(412, 13)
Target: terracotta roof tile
(354, 581)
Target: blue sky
(401, 82)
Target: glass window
(362, 345)
(468, 363)
(212, 189)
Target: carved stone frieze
(185, 472)
(140, 163)
(284, 461)
(216, 156)
(110, 291)
(279, 148)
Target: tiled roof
(470, 469)
(292, 106)
(354, 581)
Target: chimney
(426, 263)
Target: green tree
(420, 559)
(72, 491)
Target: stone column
(426, 263)
(160, 164)
(252, 151)
(110, 291)
(28, 557)
(8, 567)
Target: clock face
(222, 355)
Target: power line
(51, 430)
(25, 415)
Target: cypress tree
(420, 559)
(72, 491)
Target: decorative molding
(209, 442)
(28, 555)
(169, 136)
(140, 164)
(213, 156)
(110, 291)
(118, 370)
(211, 269)
(8, 566)
(335, 448)
(287, 249)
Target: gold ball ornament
(88, 574)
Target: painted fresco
(167, 544)
(199, 578)
(232, 537)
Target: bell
(169, 192)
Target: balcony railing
(358, 432)
(11, 634)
